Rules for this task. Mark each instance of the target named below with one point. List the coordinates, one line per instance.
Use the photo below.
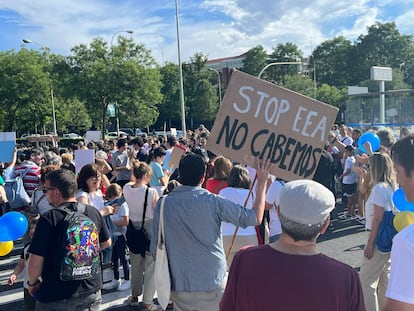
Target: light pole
(116, 103)
(117, 32)
(275, 64)
(315, 87)
(180, 72)
(219, 83)
(27, 41)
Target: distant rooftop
(227, 62)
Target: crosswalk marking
(10, 296)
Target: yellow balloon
(6, 247)
(403, 219)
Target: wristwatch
(34, 284)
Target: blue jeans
(91, 302)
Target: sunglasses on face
(45, 189)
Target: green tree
(332, 95)
(201, 98)
(170, 108)
(283, 53)
(255, 61)
(300, 84)
(331, 62)
(25, 99)
(124, 73)
(383, 45)
(66, 122)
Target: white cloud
(217, 28)
(405, 22)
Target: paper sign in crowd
(260, 119)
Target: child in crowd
(29, 300)
(120, 221)
(349, 181)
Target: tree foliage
(200, 96)
(25, 91)
(331, 61)
(383, 45)
(124, 74)
(256, 59)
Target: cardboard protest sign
(175, 157)
(7, 145)
(260, 119)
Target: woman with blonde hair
(136, 194)
(375, 267)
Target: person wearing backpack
(64, 264)
(375, 268)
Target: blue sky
(217, 28)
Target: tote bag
(15, 192)
(162, 270)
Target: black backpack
(79, 254)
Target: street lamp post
(117, 32)
(275, 64)
(315, 86)
(219, 83)
(27, 41)
(116, 103)
(180, 72)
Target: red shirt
(215, 185)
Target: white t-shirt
(123, 211)
(272, 197)
(381, 195)
(346, 140)
(351, 178)
(401, 283)
(238, 196)
(135, 198)
(94, 198)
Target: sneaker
(125, 285)
(111, 285)
(151, 307)
(133, 301)
(360, 219)
(345, 216)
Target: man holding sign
(192, 221)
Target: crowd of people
(215, 223)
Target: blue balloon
(400, 202)
(12, 226)
(369, 137)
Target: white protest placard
(83, 157)
(93, 136)
(7, 145)
(258, 119)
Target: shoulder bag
(386, 230)
(138, 241)
(16, 193)
(162, 270)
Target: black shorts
(349, 189)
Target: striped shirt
(32, 178)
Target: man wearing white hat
(291, 274)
